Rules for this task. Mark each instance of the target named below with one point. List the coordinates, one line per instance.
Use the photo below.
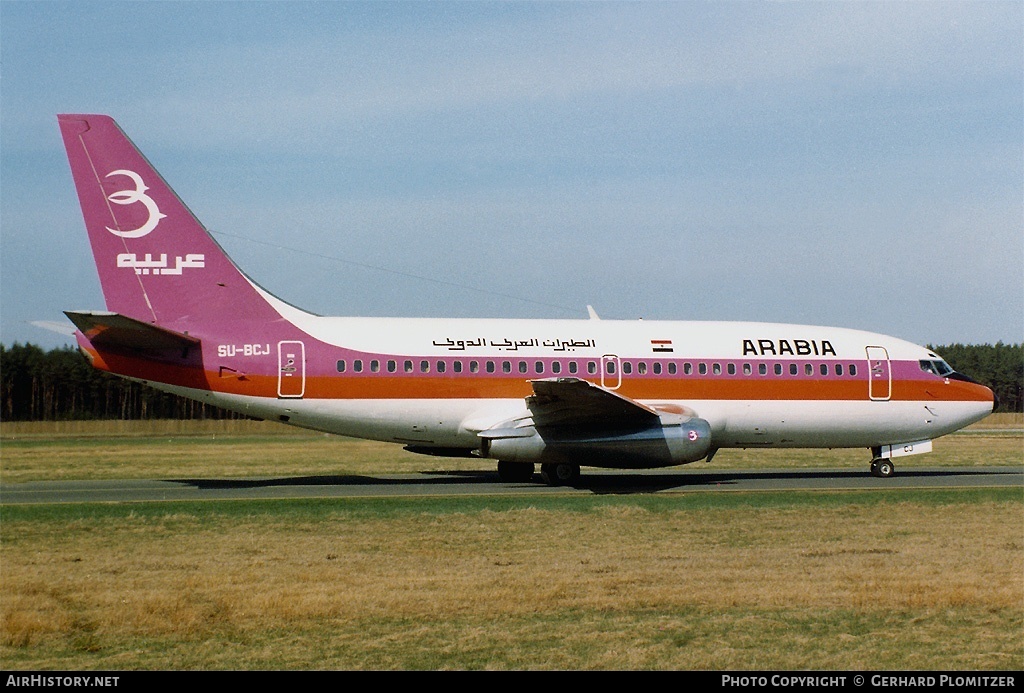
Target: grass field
(39, 451)
(922, 580)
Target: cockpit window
(937, 367)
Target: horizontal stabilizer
(106, 329)
(58, 327)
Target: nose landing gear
(882, 468)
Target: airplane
(628, 394)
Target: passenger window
(539, 366)
(474, 367)
(341, 366)
(610, 367)
(357, 366)
(778, 369)
(702, 369)
(747, 370)
(732, 369)
(407, 366)
(792, 369)
(440, 366)
(522, 366)
(839, 369)
(556, 367)
(641, 368)
(657, 368)
(374, 366)
(591, 367)
(824, 369)
(627, 367)
(762, 368)
(717, 369)
(392, 366)
(672, 369)
(687, 369)
(490, 366)
(572, 367)
(457, 366)
(506, 366)
(853, 369)
(808, 369)
(424, 366)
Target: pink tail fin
(156, 261)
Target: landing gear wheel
(559, 474)
(514, 471)
(882, 468)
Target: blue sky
(853, 164)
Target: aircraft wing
(106, 329)
(575, 402)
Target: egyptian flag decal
(661, 346)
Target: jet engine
(671, 441)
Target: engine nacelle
(676, 440)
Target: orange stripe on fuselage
(679, 388)
(488, 386)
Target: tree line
(38, 385)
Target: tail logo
(129, 197)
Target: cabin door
(291, 369)
(879, 374)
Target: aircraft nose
(966, 379)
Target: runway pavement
(596, 482)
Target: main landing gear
(552, 474)
(882, 467)
(559, 474)
(515, 471)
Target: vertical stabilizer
(156, 261)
